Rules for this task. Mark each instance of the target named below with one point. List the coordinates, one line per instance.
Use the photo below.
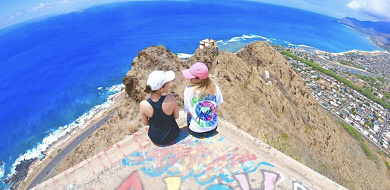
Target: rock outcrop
(21, 173)
(264, 97)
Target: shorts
(199, 135)
(203, 134)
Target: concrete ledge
(230, 159)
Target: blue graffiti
(259, 164)
(153, 172)
(128, 162)
(225, 178)
(189, 175)
(219, 187)
(196, 176)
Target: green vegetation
(356, 135)
(387, 95)
(365, 92)
(308, 129)
(366, 150)
(351, 131)
(284, 136)
(277, 114)
(387, 164)
(354, 111)
(370, 80)
(383, 80)
(350, 63)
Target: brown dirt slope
(278, 110)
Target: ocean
(57, 71)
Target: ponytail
(148, 89)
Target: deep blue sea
(55, 72)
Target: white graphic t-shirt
(202, 109)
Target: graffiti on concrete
(211, 163)
(204, 160)
(297, 185)
(270, 179)
(133, 181)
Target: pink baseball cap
(198, 69)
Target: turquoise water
(56, 69)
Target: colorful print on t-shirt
(205, 110)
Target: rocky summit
(264, 97)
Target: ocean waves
(184, 56)
(1, 169)
(56, 135)
(236, 43)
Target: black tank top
(163, 128)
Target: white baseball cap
(157, 79)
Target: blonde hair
(206, 86)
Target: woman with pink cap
(160, 111)
(201, 100)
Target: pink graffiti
(133, 181)
(242, 180)
(270, 180)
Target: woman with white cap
(201, 100)
(160, 111)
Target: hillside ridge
(377, 32)
(264, 97)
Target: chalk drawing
(208, 162)
(270, 179)
(219, 187)
(242, 179)
(203, 159)
(133, 181)
(297, 185)
(173, 183)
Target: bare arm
(172, 103)
(176, 111)
(142, 109)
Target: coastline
(62, 142)
(53, 150)
(360, 51)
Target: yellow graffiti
(173, 183)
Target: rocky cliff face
(263, 96)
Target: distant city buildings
(366, 116)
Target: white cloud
(379, 9)
(354, 5)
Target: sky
(16, 11)
(373, 10)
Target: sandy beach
(59, 145)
